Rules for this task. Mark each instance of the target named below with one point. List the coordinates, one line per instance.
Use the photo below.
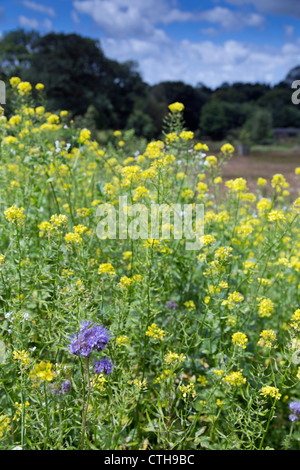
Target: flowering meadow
(130, 343)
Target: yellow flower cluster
(235, 378)
(279, 182)
(267, 338)
(43, 371)
(18, 411)
(240, 339)
(140, 384)
(98, 382)
(227, 148)
(14, 214)
(269, 391)
(202, 380)
(73, 238)
(85, 135)
(188, 390)
(176, 107)
(233, 298)
(24, 88)
(173, 358)
(190, 305)
(21, 356)
(120, 340)
(155, 332)
(296, 320)
(4, 424)
(106, 268)
(237, 185)
(265, 307)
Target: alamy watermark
(2, 92)
(296, 94)
(137, 221)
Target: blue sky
(208, 41)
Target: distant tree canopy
(108, 94)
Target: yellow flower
(172, 137)
(80, 229)
(202, 380)
(227, 148)
(176, 107)
(155, 332)
(15, 214)
(188, 390)
(237, 185)
(84, 136)
(39, 86)
(186, 135)
(190, 305)
(268, 391)
(24, 88)
(235, 378)
(276, 215)
(265, 307)
(211, 160)
(58, 220)
(15, 120)
(173, 358)
(218, 180)
(122, 340)
(43, 371)
(4, 424)
(261, 182)
(296, 320)
(53, 119)
(40, 110)
(106, 268)
(98, 382)
(74, 238)
(200, 146)
(14, 81)
(21, 356)
(240, 339)
(10, 139)
(140, 191)
(267, 337)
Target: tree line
(107, 94)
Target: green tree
(260, 126)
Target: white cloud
(39, 8)
(125, 17)
(206, 62)
(139, 18)
(229, 19)
(32, 23)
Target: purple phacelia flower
(294, 406)
(88, 339)
(66, 387)
(293, 418)
(104, 366)
(171, 305)
(63, 389)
